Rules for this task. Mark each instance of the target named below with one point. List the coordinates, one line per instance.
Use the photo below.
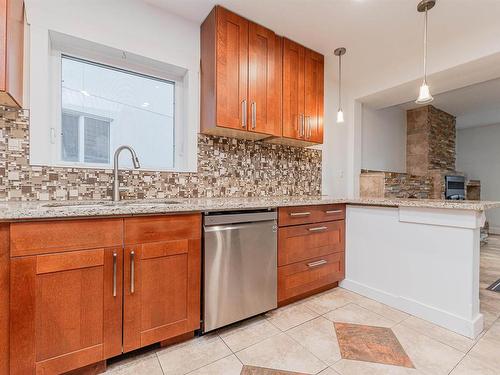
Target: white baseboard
(469, 328)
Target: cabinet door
(293, 90)
(314, 66)
(232, 69)
(11, 52)
(264, 81)
(162, 291)
(66, 313)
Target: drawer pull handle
(333, 212)
(132, 272)
(317, 263)
(115, 256)
(317, 229)
(300, 213)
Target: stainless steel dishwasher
(240, 266)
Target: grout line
(307, 350)
(208, 364)
(158, 359)
(432, 338)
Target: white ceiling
(383, 37)
(475, 105)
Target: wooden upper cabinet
(264, 80)
(293, 89)
(162, 277)
(240, 77)
(66, 313)
(303, 95)
(314, 96)
(231, 68)
(11, 52)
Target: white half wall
(478, 156)
(421, 261)
(383, 139)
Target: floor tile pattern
(301, 339)
(251, 370)
(371, 344)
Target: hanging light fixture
(340, 52)
(425, 94)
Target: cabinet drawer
(303, 277)
(310, 214)
(162, 228)
(64, 235)
(302, 242)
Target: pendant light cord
(340, 82)
(425, 48)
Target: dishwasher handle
(235, 218)
(237, 226)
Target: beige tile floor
(301, 338)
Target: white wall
(478, 156)
(335, 151)
(384, 139)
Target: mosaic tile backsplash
(226, 168)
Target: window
(87, 99)
(103, 107)
(85, 139)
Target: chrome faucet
(135, 160)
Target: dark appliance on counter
(454, 187)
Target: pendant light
(340, 52)
(425, 96)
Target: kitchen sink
(109, 204)
(146, 203)
(78, 204)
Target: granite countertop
(10, 211)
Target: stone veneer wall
(431, 137)
(226, 167)
(381, 184)
(430, 155)
(403, 185)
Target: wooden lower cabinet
(64, 312)
(302, 242)
(162, 278)
(311, 245)
(162, 291)
(300, 278)
(74, 307)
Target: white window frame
(46, 110)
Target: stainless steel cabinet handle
(317, 263)
(132, 272)
(317, 229)
(254, 115)
(302, 125)
(309, 130)
(300, 213)
(306, 127)
(244, 113)
(330, 212)
(115, 256)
